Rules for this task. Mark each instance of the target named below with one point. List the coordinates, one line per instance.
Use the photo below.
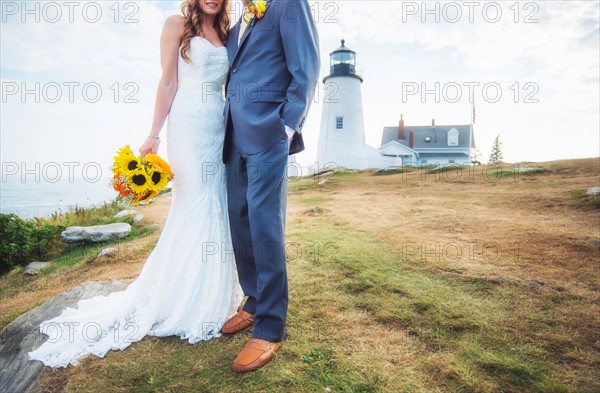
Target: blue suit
(274, 73)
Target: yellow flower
(139, 181)
(139, 178)
(144, 197)
(158, 181)
(126, 161)
(158, 163)
(261, 6)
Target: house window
(339, 123)
(453, 137)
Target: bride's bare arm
(170, 41)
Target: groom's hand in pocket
(289, 133)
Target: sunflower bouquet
(139, 178)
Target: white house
(427, 145)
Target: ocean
(41, 198)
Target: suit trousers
(257, 194)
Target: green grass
(586, 200)
(15, 281)
(312, 200)
(363, 317)
(448, 168)
(38, 239)
(322, 182)
(393, 171)
(517, 174)
(467, 335)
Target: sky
(79, 78)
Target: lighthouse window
(339, 123)
(343, 58)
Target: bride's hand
(149, 146)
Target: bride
(188, 286)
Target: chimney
(401, 135)
(411, 139)
(433, 122)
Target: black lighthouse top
(342, 63)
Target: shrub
(22, 241)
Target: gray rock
(594, 243)
(106, 251)
(125, 213)
(526, 169)
(96, 234)
(593, 191)
(315, 209)
(138, 217)
(34, 268)
(17, 372)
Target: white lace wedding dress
(188, 286)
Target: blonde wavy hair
(192, 12)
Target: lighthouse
(342, 134)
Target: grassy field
(473, 280)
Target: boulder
(593, 191)
(125, 213)
(315, 209)
(17, 372)
(96, 233)
(106, 251)
(34, 268)
(138, 218)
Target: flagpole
(472, 133)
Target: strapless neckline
(208, 42)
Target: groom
(274, 55)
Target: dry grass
(404, 282)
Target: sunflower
(126, 161)
(143, 197)
(158, 163)
(159, 180)
(139, 178)
(139, 181)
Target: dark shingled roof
(438, 135)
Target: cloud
(79, 44)
(119, 60)
(559, 53)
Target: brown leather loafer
(238, 322)
(255, 354)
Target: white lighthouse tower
(342, 136)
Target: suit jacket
(273, 76)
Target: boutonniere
(257, 9)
